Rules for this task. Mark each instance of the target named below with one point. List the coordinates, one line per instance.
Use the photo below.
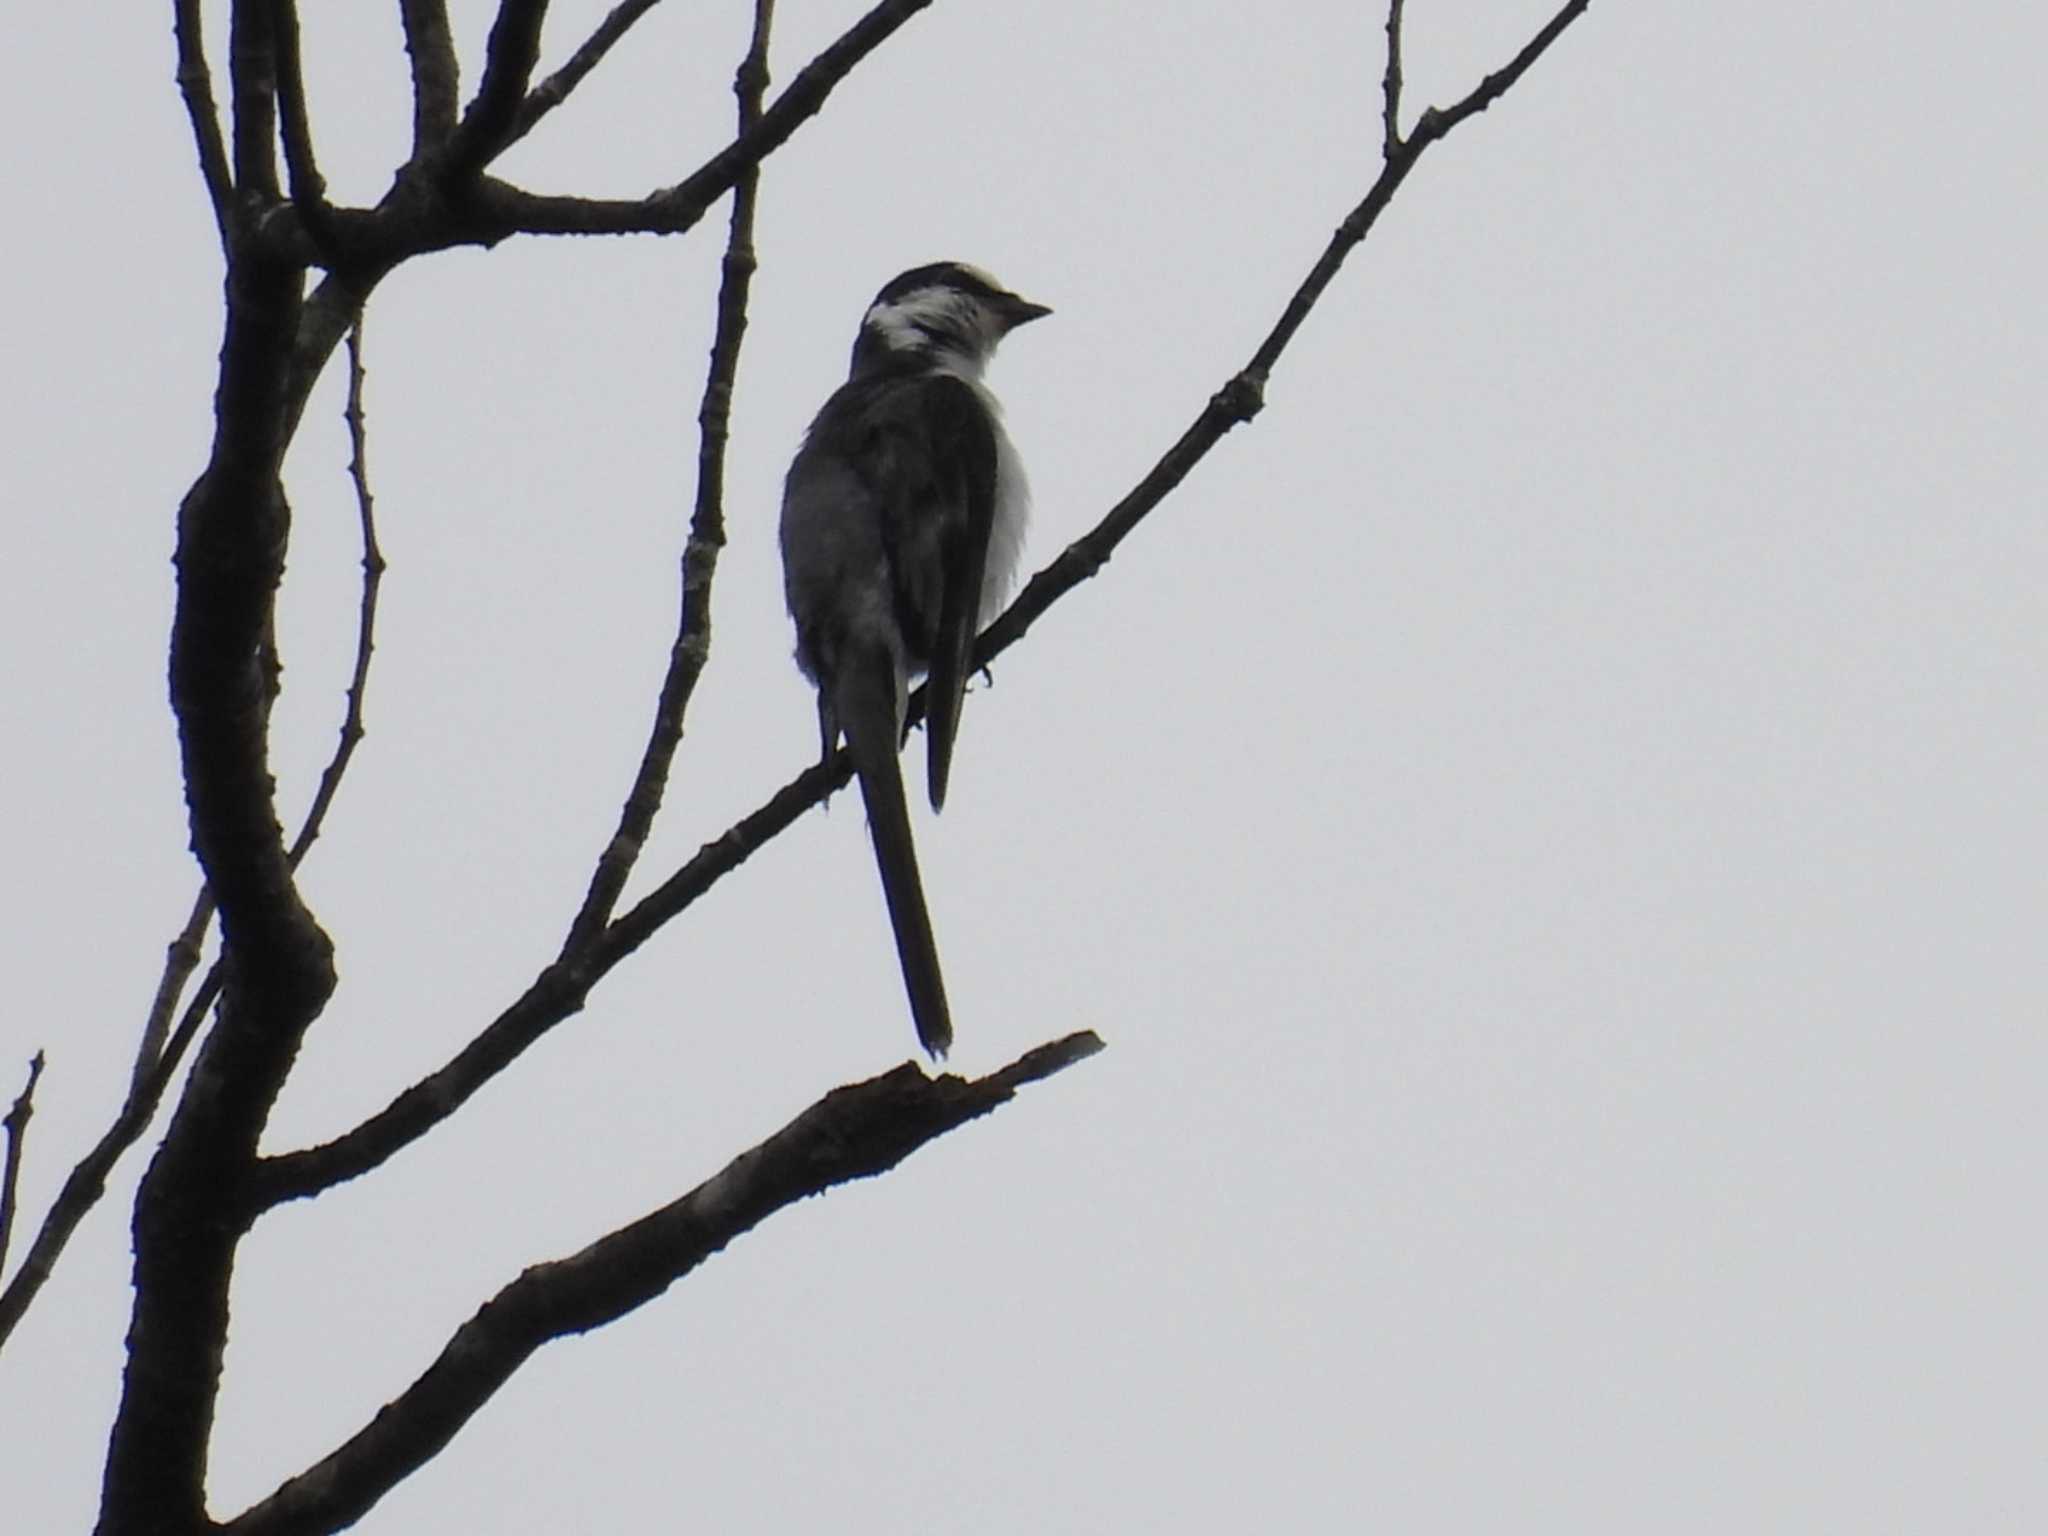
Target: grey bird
(902, 519)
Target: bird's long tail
(865, 701)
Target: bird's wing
(963, 448)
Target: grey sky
(1549, 819)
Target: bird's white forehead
(960, 323)
(934, 301)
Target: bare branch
(352, 729)
(88, 1180)
(692, 647)
(156, 1061)
(1431, 128)
(1390, 86)
(401, 227)
(1243, 395)
(853, 1132)
(436, 78)
(195, 84)
(232, 536)
(509, 58)
(15, 1125)
(556, 994)
(180, 961)
(1435, 124)
(554, 90)
(302, 168)
(252, 80)
(324, 319)
(675, 209)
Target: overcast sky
(1549, 819)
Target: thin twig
(180, 961)
(1435, 124)
(507, 210)
(87, 1181)
(195, 84)
(555, 89)
(558, 993)
(854, 1132)
(692, 647)
(157, 1058)
(373, 563)
(15, 1124)
(491, 210)
(1390, 87)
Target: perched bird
(902, 520)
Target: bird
(902, 522)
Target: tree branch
(156, 1060)
(87, 1181)
(181, 959)
(671, 210)
(692, 647)
(232, 533)
(15, 1125)
(302, 168)
(352, 729)
(853, 1132)
(195, 85)
(252, 81)
(436, 77)
(509, 58)
(1390, 85)
(555, 995)
(1435, 124)
(404, 225)
(554, 90)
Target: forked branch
(852, 1133)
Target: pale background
(1549, 820)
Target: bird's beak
(1022, 311)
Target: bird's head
(947, 315)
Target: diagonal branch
(195, 84)
(1430, 129)
(555, 995)
(436, 78)
(854, 1132)
(675, 209)
(15, 1126)
(509, 58)
(1435, 124)
(554, 90)
(180, 961)
(692, 647)
(87, 1181)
